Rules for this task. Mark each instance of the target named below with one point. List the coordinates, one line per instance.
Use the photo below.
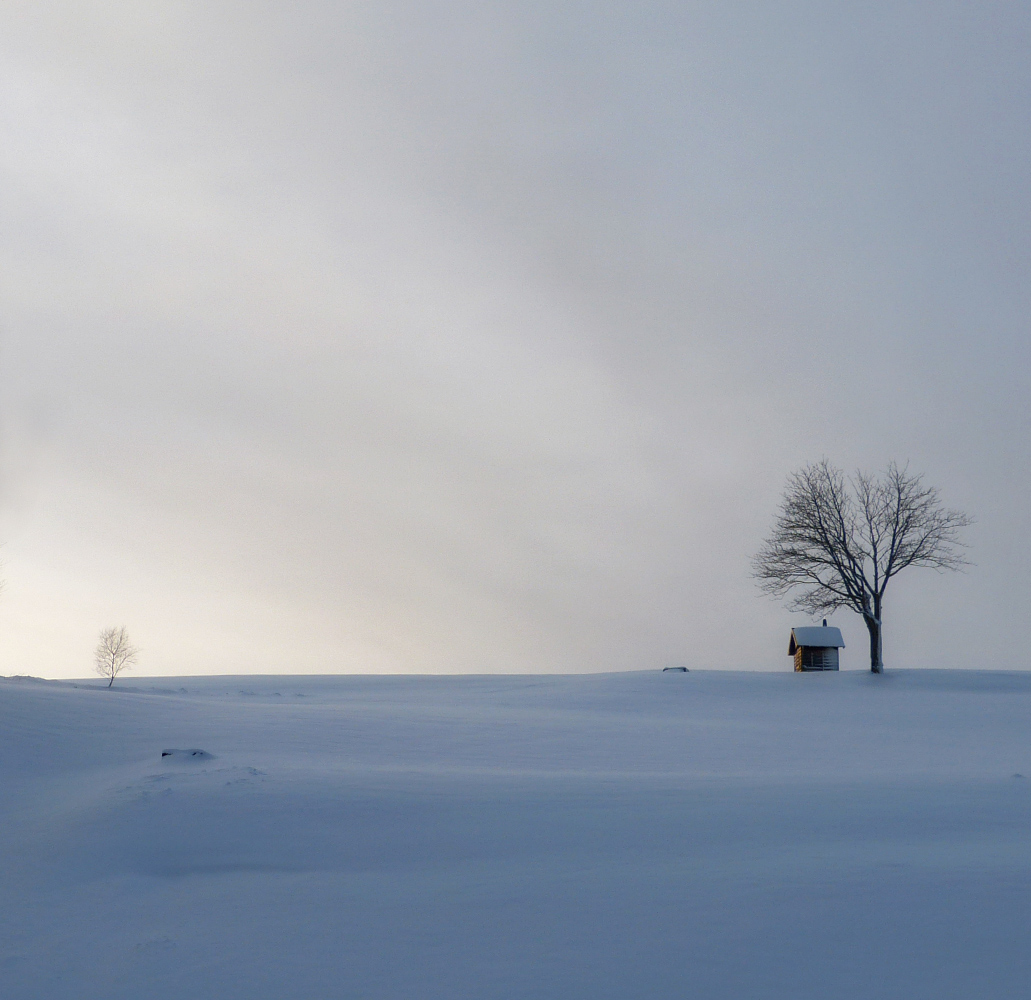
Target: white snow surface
(645, 835)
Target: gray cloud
(482, 336)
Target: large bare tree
(114, 653)
(838, 543)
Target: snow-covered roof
(815, 635)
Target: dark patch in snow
(674, 670)
(187, 754)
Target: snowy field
(621, 836)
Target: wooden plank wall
(816, 658)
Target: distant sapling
(114, 653)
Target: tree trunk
(110, 682)
(873, 626)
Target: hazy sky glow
(482, 336)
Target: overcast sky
(473, 336)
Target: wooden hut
(816, 647)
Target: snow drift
(650, 835)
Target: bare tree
(839, 543)
(114, 653)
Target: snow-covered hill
(625, 836)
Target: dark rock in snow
(675, 670)
(187, 754)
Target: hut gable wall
(816, 658)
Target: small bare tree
(114, 653)
(841, 542)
